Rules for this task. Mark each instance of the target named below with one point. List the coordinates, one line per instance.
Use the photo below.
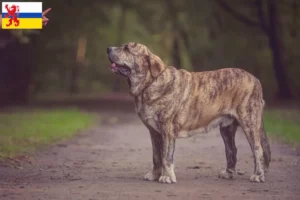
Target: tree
(162, 18)
(25, 53)
(16, 68)
(270, 26)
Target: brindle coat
(176, 103)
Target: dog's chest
(146, 114)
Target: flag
(22, 15)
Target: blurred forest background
(68, 57)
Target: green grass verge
(22, 132)
(283, 124)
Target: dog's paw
(228, 174)
(266, 170)
(167, 179)
(151, 176)
(257, 178)
(240, 172)
(225, 175)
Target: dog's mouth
(119, 69)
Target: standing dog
(176, 103)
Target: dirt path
(109, 162)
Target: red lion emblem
(12, 13)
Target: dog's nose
(108, 50)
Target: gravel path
(109, 162)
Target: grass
(283, 124)
(23, 132)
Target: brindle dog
(176, 103)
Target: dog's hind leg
(266, 147)
(228, 135)
(250, 119)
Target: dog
(175, 103)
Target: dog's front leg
(157, 145)
(167, 153)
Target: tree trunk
(177, 33)
(176, 53)
(275, 43)
(272, 30)
(120, 37)
(294, 28)
(16, 71)
(196, 61)
(80, 57)
(74, 78)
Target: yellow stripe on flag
(25, 23)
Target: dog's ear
(156, 65)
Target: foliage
(208, 38)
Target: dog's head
(134, 60)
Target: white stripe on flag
(25, 7)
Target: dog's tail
(265, 146)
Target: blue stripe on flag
(26, 15)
